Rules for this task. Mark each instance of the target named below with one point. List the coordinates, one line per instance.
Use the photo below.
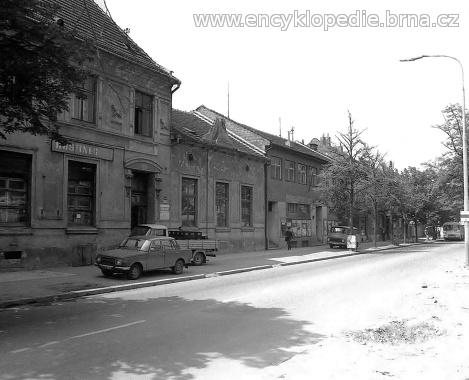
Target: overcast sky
(309, 77)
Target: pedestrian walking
(289, 237)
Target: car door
(155, 256)
(169, 252)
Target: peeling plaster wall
(227, 167)
(48, 240)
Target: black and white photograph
(225, 190)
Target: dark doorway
(139, 199)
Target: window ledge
(247, 229)
(14, 230)
(81, 231)
(222, 229)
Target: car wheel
(178, 267)
(106, 272)
(135, 272)
(199, 258)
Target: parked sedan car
(338, 236)
(137, 254)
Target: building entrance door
(139, 199)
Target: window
(81, 194)
(298, 210)
(14, 188)
(84, 108)
(290, 170)
(189, 202)
(246, 206)
(276, 168)
(221, 203)
(166, 244)
(302, 174)
(313, 176)
(143, 114)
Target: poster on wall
(164, 211)
(302, 227)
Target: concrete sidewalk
(54, 284)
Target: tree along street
(288, 322)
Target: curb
(117, 288)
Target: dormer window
(143, 114)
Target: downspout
(173, 90)
(266, 198)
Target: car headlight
(343, 240)
(98, 259)
(119, 262)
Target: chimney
(313, 144)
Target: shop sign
(86, 150)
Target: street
(287, 322)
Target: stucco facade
(290, 201)
(210, 161)
(62, 204)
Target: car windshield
(340, 230)
(139, 230)
(138, 244)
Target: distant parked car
(453, 231)
(337, 236)
(141, 253)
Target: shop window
(302, 174)
(143, 114)
(189, 202)
(84, 108)
(14, 188)
(81, 193)
(276, 168)
(222, 201)
(290, 171)
(246, 206)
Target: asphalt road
(222, 328)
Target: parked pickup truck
(141, 253)
(187, 238)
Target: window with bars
(298, 210)
(290, 171)
(14, 188)
(81, 193)
(246, 206)
(222, 202)
(189, 202)
(84, 107)
(313, 176)
(276, 168)
(302, 174)
(143, 114)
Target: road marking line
(106, 330)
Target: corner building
(62, 204)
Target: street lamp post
(464, 149)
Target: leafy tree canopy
(42, 63)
